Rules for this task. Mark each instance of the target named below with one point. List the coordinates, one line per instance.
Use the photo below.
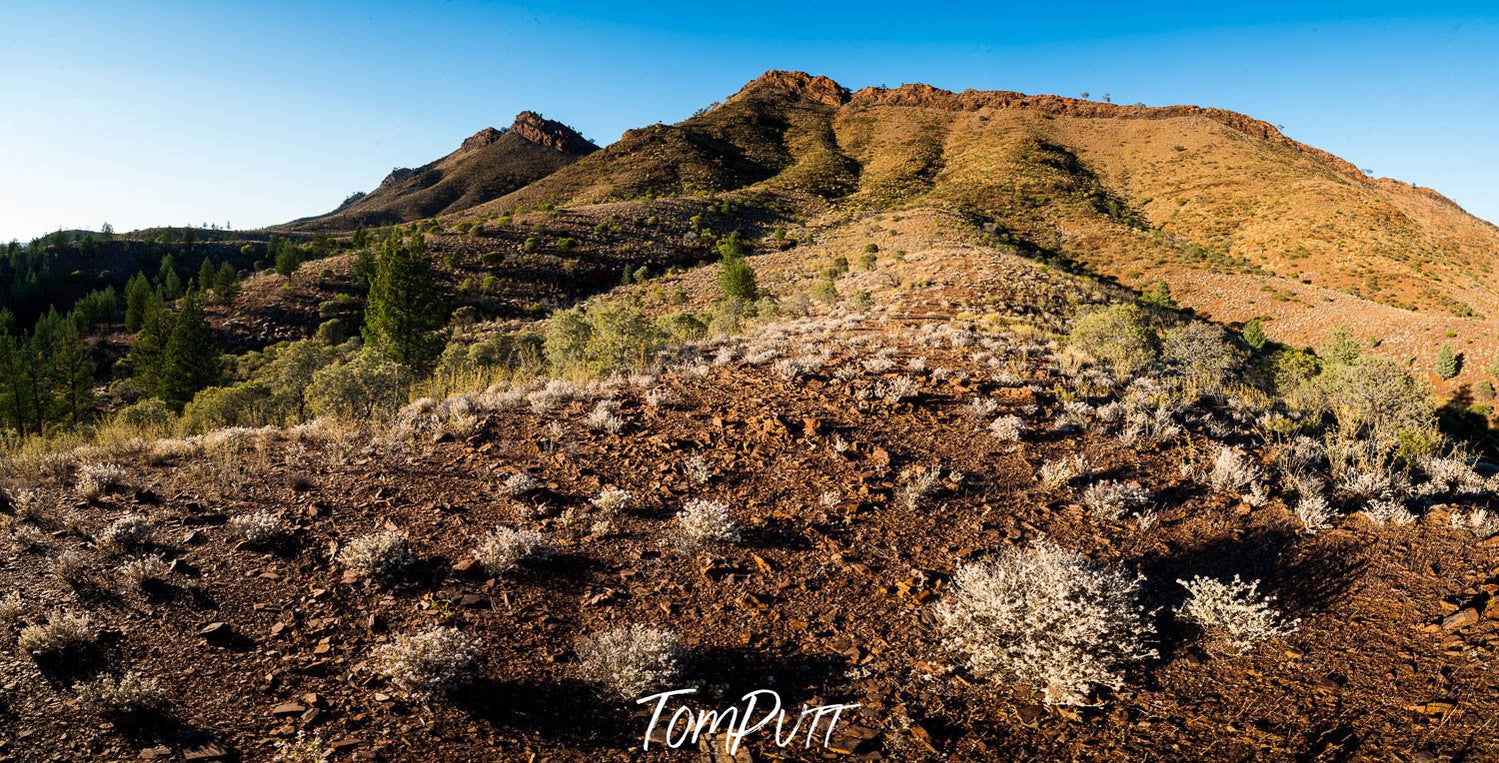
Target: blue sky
(174, 113)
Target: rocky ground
(818, 433)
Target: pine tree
(1159, 294)
(1447, 363)
(70, 367)
(736, 279)
(137, 294)
(148, 354)
(1254, 334)
(404, 318)
(168, 283)
(226, 282)
(192, 360)
(206, 273)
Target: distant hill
(487, 165)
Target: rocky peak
(802, 85)
(550, 134)
(481, 139)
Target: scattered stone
(1460, 619)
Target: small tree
(192, 360)
(1447, 363)
(206, 273)
(404, 319)
(735, 276)
(226, 282)
(1159, 294)
(137, 295)
(1254, 334)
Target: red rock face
(801, 84)
(553, 135)
(481, 139)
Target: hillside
(812, 430)
(1183, 194)
(488, 164)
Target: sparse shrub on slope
(1046, 617)
(603, 338)
(703, 524)
(1233, 616)
(429, 664)
(63, 634)
(505, 548)
(1117, 335)
(1202, 353)
(129, 694)
(377, 556)
(629, 662)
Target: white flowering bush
(376, 556)
(94, 480)
(1007, 428)
(605, 418)
(1233, 616)
(518, 484)
(129, 694)
(63, 632)
(613, 501)
(256, 527)
(144, 572)
(1113, 500)
(1046, 617)
(505, 548)
(429, 664)
(629, 662)
(701, 524)
(1314, 512)
(125, 533)
(1231, 472)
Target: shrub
(123, 534)
(1203, 353)
(62, 635)
(429, 664)
(1007, 428)
(11, 609)
(612, 500)
(1231, 471)
(364, 387)
(1046, 617)
(255, 527)
(603, 338)
(71, 567)
(1447, 363)
(629, 662)
(915, 485)
(1254, 334)
(1233, 616)
(682, 326)
(604, 418)
(702, 524)
(503, 549)
(151, 415)
(376, 556)
(1314, 512)
(1112, 500)
(518, 484)
(1116, 335)
(94, 480)
(144, 572)
(130, 694)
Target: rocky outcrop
(800, 85)
(550, 134)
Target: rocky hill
(488, 164)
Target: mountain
(489, 164)
(1237, 218)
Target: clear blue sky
(173, 113)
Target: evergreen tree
(1447, 363)
(404, 318)
(147, 355)
(1159, 294)
(363, 270)
(736, 279)
(70, 366)
(1254, 334)
(226, 282)
(168, 283)
(206, 273)
(192, 360)
(137, 294)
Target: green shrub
(1447, 363)
(867, 261)
(365, 387)
(1117, 335)
(150, 414)
(243, 404)
(682, 326)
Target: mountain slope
(1184, 194)
(489, 164)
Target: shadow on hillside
(155, 728)
(567, 712)
(731, 672)
(1306, 575)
